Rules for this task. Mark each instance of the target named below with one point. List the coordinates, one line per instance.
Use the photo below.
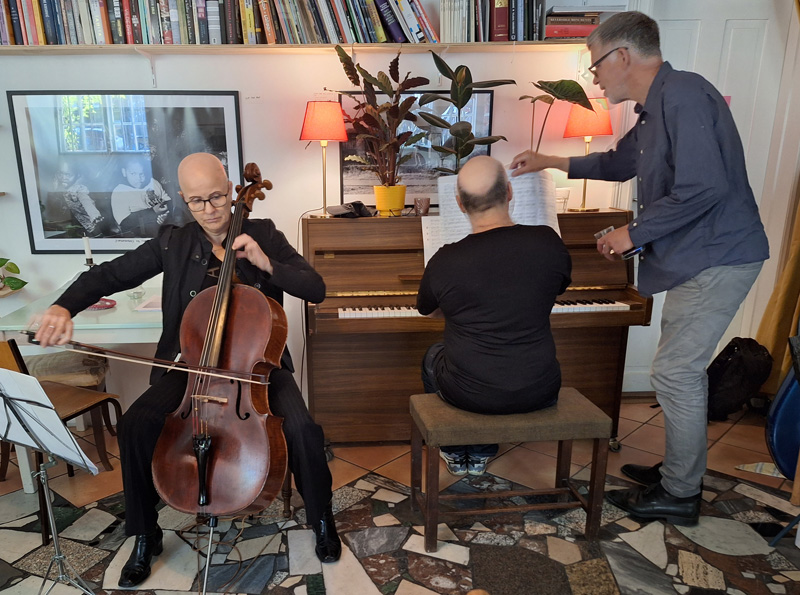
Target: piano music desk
(362, 370)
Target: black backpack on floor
(735, 376)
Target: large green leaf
(444, 150)
(349, 67)
(15, 283)
(490, 84)
(3, 262)
(11, 267)
(413, 82)
(357, 159)
(461, 88)
(543, 98)
(461, 129)
(566, 90)
(442, 66)
(434, 120)
(427, 98)
(486, 140)
(415, 138)
(394, 68)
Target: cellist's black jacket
(182, 254)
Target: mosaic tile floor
(540, 552)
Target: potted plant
(461, 141)
(9, 284)
(565, 90)
(377, 125)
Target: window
(103, 124)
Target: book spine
(512, 20)
(144, 20)
(28, 22)
(341, 18)
(297, 19)
(358, 21)
(69, 22)
(6, 33)
(423, 19)
(389, 19)
(284, 21)
(154, 22)
(58, 22)
(38, 22)
(118, 21)
(266, 18)
(498, 21)
(411, 21)
(352, 18)
(104, 22)
(16, 22)
(188, 17)
(588, 19)
(568, 30)
(48, 22)
(237, 30)
(195, 21)
(175, 21)
(214, 22)
(223, 25)
(375, 17)
(229, 20)
(136, 21)
(248, 21)
(97, 22)
(181, 20)
(362, 6)
(315, 18)
(202, 21)
(165, 24)
(329, 19)
(86, 21)
(127, 21)
(393, 4)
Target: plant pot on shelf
(390, 200)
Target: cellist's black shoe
(329, 546)
(654, 502)
(642, 473)
(137, 568)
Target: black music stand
(27, 418)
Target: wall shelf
(186, 49)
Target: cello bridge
(210, 399)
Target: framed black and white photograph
(418, 173)
(104, 164)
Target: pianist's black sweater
(496, 290)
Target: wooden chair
(574, 417)
(69, 402)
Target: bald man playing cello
(495, 289)
(190, 258)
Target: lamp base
(582, 210)
(319, 214)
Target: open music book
(533, 203)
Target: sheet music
(533, 203)
(27, 397)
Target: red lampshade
(584, 122)
(324, 121)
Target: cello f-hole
(239, 403)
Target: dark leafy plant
(565, 90)
(377, 125)
(461, 87)
(13, 283)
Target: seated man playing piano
(495, 290)
(190, 258)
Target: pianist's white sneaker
(476, 464)
(456, 462)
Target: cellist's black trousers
(141, 425)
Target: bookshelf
(305, 49)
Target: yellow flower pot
(390, 200)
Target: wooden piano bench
(436, 423)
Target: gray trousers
(695, 316)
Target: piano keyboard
(599, 305)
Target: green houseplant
(564, 90)
(377, 122)
(8, 283)
(462, 141)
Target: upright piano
(366, 341)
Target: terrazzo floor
(540, 552)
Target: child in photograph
(70, 206)
(139, 204)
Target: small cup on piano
(421, 206)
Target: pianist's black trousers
(141, 425)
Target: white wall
(273, 90)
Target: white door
(739, 46)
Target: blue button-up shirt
(696, 207)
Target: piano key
(561, 306)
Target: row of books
(569, 23)
(68, 22)
(491, 20)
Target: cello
(222, 452)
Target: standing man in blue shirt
(699, 226)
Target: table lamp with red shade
(587, 123)
(323, 122)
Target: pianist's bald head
(483, 184)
